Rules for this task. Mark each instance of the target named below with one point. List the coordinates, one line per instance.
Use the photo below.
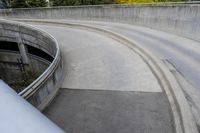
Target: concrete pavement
(92, 111)
(181, 55)
(110, 88)
(97, 62)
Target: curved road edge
(183, 119)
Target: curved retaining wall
(44, 88)
(181, 19)
(11, 68)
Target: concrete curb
(183, 119)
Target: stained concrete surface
(92, 111)
(94, 61)
(182, 53)
(112, 88)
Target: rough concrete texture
(171, 18)
(94, 61)
(181, 55)
(147, 38)
(11, 69)
(41, 91)
(16, 32)
(107, 81)
(181, 52)
(90, 111)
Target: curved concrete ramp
(108, 87)
(97, 62)
(123, 78)
(181, 55)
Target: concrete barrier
(40, 92)
(17, 74)
(181, 19)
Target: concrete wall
(180, 19)
(27, 35)
(41, 91)
(12, 71)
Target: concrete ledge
(183, 119)
(167, 17)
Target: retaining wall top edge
(109, 5)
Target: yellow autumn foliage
(143, 1)
(132, 1)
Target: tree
(3, 4)
(143, 1)
(78, 2)
(36, 3)
(72, 2)
(94, 2)
(27, 3)
(18, 3)
(57, 2)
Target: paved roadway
(108, 88)
(112, 66)
(180, 54)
